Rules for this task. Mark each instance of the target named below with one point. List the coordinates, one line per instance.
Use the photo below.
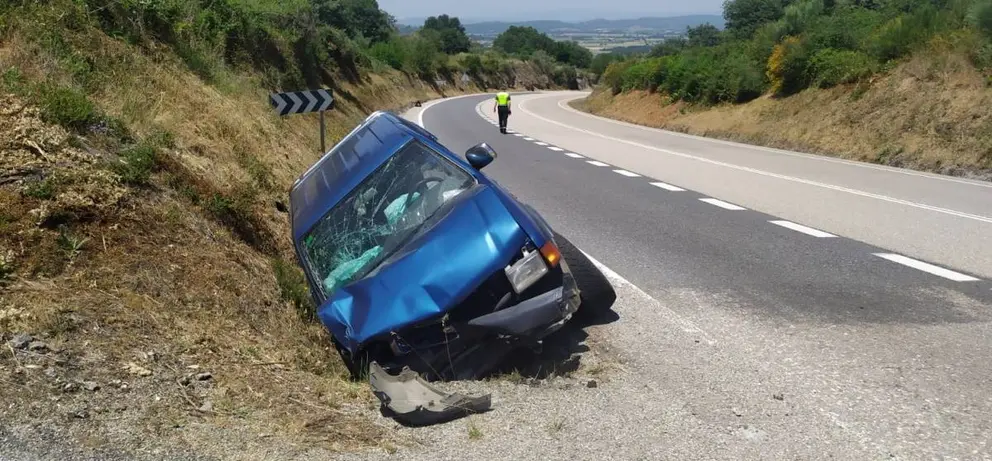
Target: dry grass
(158, 276)
(930, 113)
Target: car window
(380, 215)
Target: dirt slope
(930, 113)
(149, 303)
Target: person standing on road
(502, 108)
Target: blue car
(417, 259)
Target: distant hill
(646, 25)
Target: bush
(645, 74)
(67, 107)
(900, 35)
(424, 57)
(393, 52)
(472, 63)
(543, 61)
(41, 190)
(136, 165)
(834, 67)
(613, 75)
(981, 17)
(788, 67)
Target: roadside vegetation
(794, 51)
(149, 296)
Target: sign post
(303, 102)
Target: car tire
(357, 369)
(598, 294)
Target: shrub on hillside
(644, 74)
(834, 67)
(392, 52)
(614, 73)
(981, 17)
(787, 68)
(899, 36)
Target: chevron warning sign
(302, 102)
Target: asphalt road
(858, 295)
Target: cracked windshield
(379, 215)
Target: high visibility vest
(503, 98)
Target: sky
(565, 10)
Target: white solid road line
(563, 104)
(801, 228)
(668, 187)
(848, 190)
(570, 154)
(627, 173)
(618, 281)
(423, 108)
(556, 149)
(722, 204)
(925, 267)
(597, 163)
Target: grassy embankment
(902, 83)
(143, 231)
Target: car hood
(476, 236)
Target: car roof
(343, 167)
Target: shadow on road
(562, 351)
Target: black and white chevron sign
(301, 102)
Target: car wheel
(598, 294)
(358, 366)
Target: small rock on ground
(136, 369)
(20, 341)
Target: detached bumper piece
(525, 318)
(414, 402)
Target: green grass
(41, 190)
(474, 433)
(293, 288)
(67, 107)
(136, 165)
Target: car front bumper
(481, 343)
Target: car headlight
(526, 271)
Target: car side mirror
(480, 155)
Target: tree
(703, 35)
(746, 16)
(359, 18)
(452, 33)
(573, 54)
(523, 40)
(668, 47)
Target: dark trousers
(504, 113)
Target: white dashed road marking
(597, 163)
(627, 173)
(574, 155)
(722, 204)
(518, 135)
(668, 187)
(528, 138)
(539, 143)
(930, 268)
(556, 149)
(803, 229)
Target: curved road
(773, 304)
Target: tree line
(308, 43)
(785, 46)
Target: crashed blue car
(417, 259)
